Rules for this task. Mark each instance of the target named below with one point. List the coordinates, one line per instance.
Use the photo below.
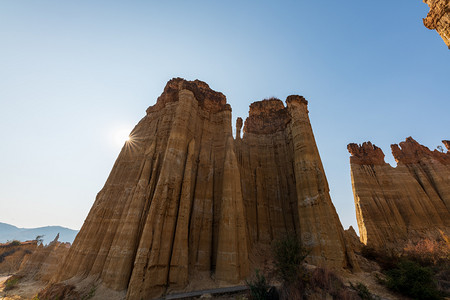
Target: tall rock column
(232, 256)
(320, 228)
(171, 207)
(283, 183)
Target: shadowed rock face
(438, 18)
(184, 199)
(408, 202)
(283, 182)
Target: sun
(121, 137)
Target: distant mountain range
(9, 233)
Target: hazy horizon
(75, 76)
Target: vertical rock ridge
(232, 255)
(320, 228)
(185, 201)
(284, 185)
(405, 203)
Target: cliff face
(438, 18)
(408, 202)
(173, 206)
(284, 185)
(13, 254)
(45, 261)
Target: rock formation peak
(447, 144)
(207, 98)
(410, 151)
(187, 202)
(270, 115)
(266, 116)
(366, 154)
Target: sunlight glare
(121, 137)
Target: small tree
(289, 256)
(39, 239)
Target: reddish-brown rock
(44, 262)
(13, 254)
(438, 18)
(408, 202)
(185, 200)
(284, 185)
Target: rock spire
(185, 200)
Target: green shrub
(410, 279)
(363, 291)
(289, 256)
(15, 243)
(11, 282)
(258, 286)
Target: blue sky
(73, 74)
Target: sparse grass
(258, 286)
(325, 280)
(363, 291)
(271, 99)
(12, 282)
(90, 294)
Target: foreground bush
(258, 287)
(289, 256)
(410, 279)
(12, 282)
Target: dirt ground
(26, 290)
(29, 289)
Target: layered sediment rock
(438, 18)
(184, 198)
(406, 203)
(284, 185)
(13, 254)
(45, 261)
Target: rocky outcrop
(406, 203)
(438, 18)
(44, 262)
(186, 200)
(12, 255)
(353, 240)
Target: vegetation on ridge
(420, 271)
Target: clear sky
(75, 73)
